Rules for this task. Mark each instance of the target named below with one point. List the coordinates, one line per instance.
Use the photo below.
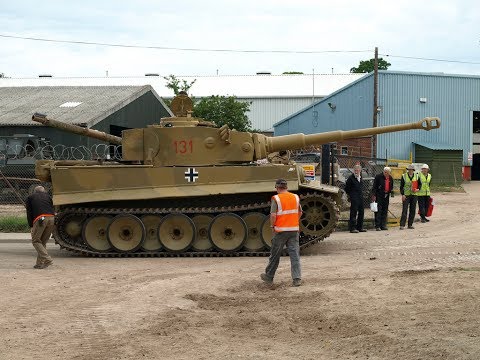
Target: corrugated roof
(17, 104)
(438, 146)
(238, 85)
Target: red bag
(430, 207)
(431, 203)
(414, 185)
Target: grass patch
(14, 224)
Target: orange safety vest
(287, 212)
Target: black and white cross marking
(191, 175)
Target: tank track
(79, 247)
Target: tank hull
(90, 184)
(181, 211)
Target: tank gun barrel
(299, 141)
(41, 118)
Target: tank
(187, 188)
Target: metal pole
(313, 91)
(375, 102)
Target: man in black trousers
(381, 190)
(354, 190)
(409, 185)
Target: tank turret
(172, 142)
(184, 186)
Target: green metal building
(445, 162)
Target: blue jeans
(290, 239)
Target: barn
(105, 108)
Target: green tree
(220, 109)
(178, 85)
(224, 110)
(367, 66)
(2, 75)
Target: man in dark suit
(354, 190)
(381, 190)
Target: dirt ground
(411, 294)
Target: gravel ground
(394, 294)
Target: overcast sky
(440, 29)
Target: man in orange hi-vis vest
(285, 213)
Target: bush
(14, 224)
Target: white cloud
(429, 29)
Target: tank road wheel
(267, 232)
(254, 222)
(126, 233)
(151, 242)
(176, 232)
(320, 215)
(94, 233)
(202, 241)
(228, 232)
(71, 226)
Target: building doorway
(476, 146)
(116, 151)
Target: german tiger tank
(187, 188)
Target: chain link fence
(17, 165)
(370, 168)
(17, 172)
(17, 176)
(340, 167)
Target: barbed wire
(61, 152)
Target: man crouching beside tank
(40, 216)
(285, 213)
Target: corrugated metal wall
(403, 97)
(450, 97)
(264, 112)
(350, 108)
